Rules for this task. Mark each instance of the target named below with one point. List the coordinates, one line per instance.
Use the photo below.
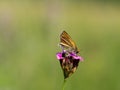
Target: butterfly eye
(77, 52)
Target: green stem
(63, 87)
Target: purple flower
(69, 62)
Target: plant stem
(63, 87)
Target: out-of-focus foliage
(29, 35)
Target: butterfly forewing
(67, 42)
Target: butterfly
(67, 43)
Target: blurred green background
(29, 37)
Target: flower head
(69, 62)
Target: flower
(69, 62)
